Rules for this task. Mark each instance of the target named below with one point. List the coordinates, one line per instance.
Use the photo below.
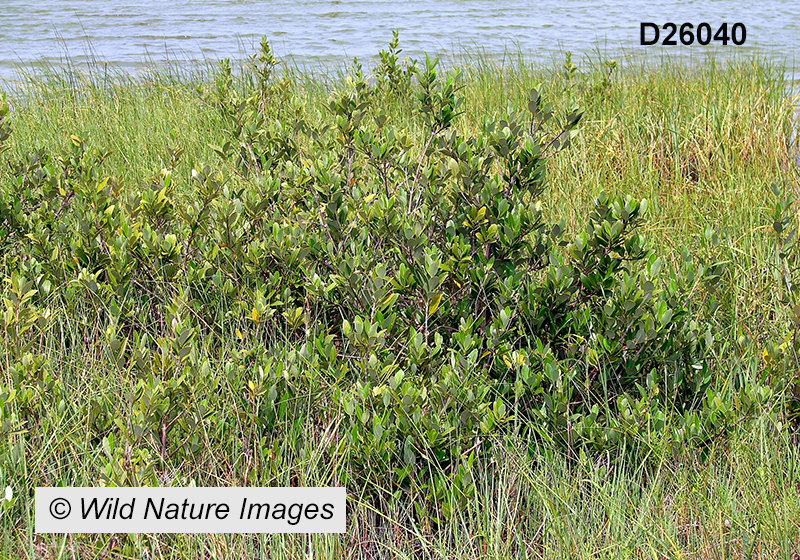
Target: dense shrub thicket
(399, 290)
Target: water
(129, 35)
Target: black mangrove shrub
(391, 275)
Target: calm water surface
(127, 34)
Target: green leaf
(666, 317)
(655, 267)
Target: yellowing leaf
(433, 305)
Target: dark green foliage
(394, 77)
(781, 357)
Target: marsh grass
(740, 502)
(703, 143)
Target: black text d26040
(687, 34)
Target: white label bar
(190, 510)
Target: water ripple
(316, 30)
